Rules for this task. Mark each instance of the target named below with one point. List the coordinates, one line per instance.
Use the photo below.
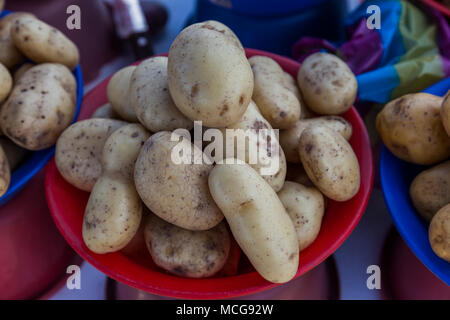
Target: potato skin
(277, 104)
(79, 151)
(105, 112)
(114, 209)
(6, 82)
(290, 138)
(330, 162)
(445, 113)
(40, 106)
(186, 253)
(439, 233)
(327, 84)
(43, 43)
(209, 76)
(430, 190)
(118, 92)
(177, 193)
(21, 71)
(291, 84)
(151, 100)
(257, 219)
(5, 172)
(411, 128)
(306, 207)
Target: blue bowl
(396, 177)
(37, 160)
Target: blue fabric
(377, 85)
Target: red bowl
(67, 205)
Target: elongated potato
(277, 104)
(330, 162)
(445, 113)
(151, 100)
(327, 84)
(6, 82)
(186, 253)
(79, 151)
(411, 128)
(5, 172)
(306, 207)
(40, 106)
(176, 192)
(105, 112)
(43, 43)
(290, 138)
(209, 76)
(251, 124)
(257, 219)
(439, 233)
(430, 190)
(118, 92)
(291, 84)
(114, 210)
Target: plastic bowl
(37, 160)
(396, 177)
(67, 206)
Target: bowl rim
(255, 281)
(425, 255)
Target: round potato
(43, 43)
(10, 56)
(330, 162)
(151, 100)
(277, 104)
(306, 207)
(411, 128)
(105, 112)
(118, 92)
(21, 71)
(445, 113)
(41, 105)
(113, 212)
(439, 233)
(176, 192)
(251, 126)
(257, 219)
(290, 138)
(186, 253)
(79, 151)
(209, 76)
(6, 82)
(15, 154)
(5, 172)
(327, 84)
(291, 84)
(430, 190)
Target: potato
(330, 162)
(439, 233)
(105, 112)
(41, 42)
(291, 84)
(2, 3)
(277, 104)
(209, 76)
(257, 219)
(79, 151)
(177, 193)
(253, 120)
(21, 71)
(186, 253)
(15, 154)
(306, 207)
(114, 210)
(5, 172)
(6, 82)
(151, 100)
(289, 138)
(118, 92)
(41, 105)
(411, 128)
(327, 84)
(445, 113)
(10, 56)
(430, 190)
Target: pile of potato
(38, 102)
(416, 128)
(122, 155)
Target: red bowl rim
(254, 282)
